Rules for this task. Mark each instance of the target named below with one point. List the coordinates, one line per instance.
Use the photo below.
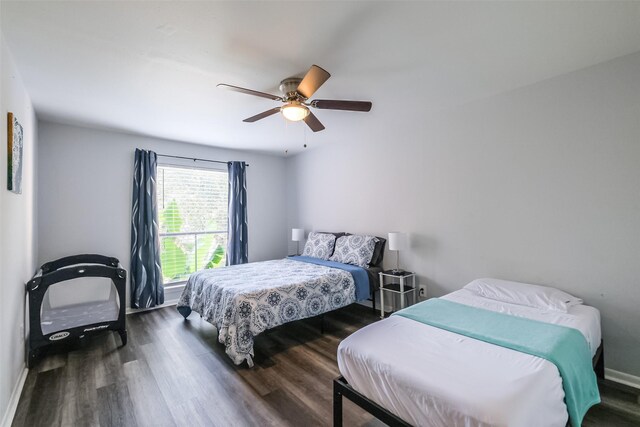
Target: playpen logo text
(96, 328)
(59, 336)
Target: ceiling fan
(296, 94)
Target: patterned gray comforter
(242, 301)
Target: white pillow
(319, 245)
(537, 296)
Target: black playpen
(50, 325)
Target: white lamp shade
(297, 234)
(398, 241)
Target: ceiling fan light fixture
(297, 93)
(294, 111)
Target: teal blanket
(564, 347)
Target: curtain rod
(194, 159)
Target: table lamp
(398, 242)
(297, 235)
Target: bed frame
(342, 388)
(72, 267)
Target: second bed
(428, 376)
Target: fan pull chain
(305, 136)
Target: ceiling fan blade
(312, 121)
(314, 78)
(262, 115)
(249, 91)
(332, 104)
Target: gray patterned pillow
(319, 245)
(354, 249)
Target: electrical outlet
(422, 291)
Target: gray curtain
(237, 248)
(146, 276)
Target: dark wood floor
(175, 373)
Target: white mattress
(431, 377)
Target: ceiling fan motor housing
(289, 88)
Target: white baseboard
(171, 297)
(7, 419)
(140, 310)
(622, 378)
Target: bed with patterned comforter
(242, 301)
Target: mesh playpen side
(50, 326)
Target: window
(192, 215)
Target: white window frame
(198, 165)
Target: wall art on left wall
(14, 154)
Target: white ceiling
(151, 67)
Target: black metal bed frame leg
(337, 406)
(373, 304)
(322, 323)
(599, 368)
(341, 388)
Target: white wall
(85, 179)
(17, 230)
(539, 184)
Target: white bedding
(431, 377)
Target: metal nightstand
(400, 287)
